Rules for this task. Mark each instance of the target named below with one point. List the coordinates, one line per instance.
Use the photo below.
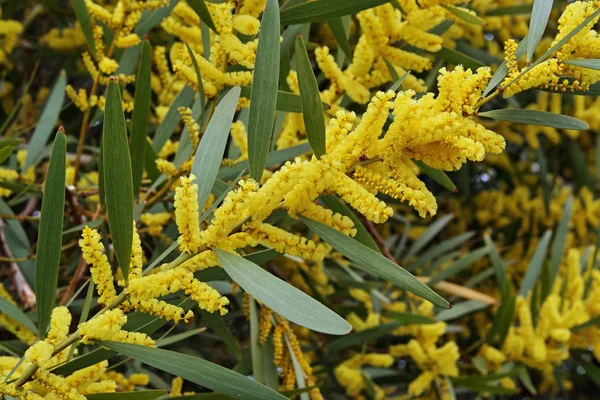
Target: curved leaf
(322, 10)
(535, 264)
(539, 19)
(118, 181)
(373, 262)
(197, 370)
(592, 63)
(49, 242)
(535, 117)
(282, 297)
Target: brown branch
(380, 241)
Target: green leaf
(482, 388)
(429, 234)
(312, 111)
(212, 146)
(373, 262)
(217, 324)
(535, 264)
(359, 338)
(281, 297)
(47, 121)
(141, 116)
(336, 25)
(539, 19)
(83, 17)
(560, 239)
(49, 242)
(459, 265)
(406, 318)
(263, 99)
(199, 79)
(439, 249)
(592, 63)
(338, 206)
(457, 58)
(582, 174)
(395, 86)
(196, 370)
(503, 318)
(535, 117)
(437, 175)
(140, 395)
(169, 340)
(322, 10)
(497, 263)
(460, 310)
(171, 120)
(15, 313)
(199, 7)
(5, 152)
(116, 164)
(592, 371)
(465, 15)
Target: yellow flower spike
(9, 175)
(186, 214)
(240, 138)
(176, 387)
(265, 324)
(82, 379)
(19, 393)
(421, 383)
(93, 253)
(278, 344)
(100, 13)
(57, 385)
(492, 354)
(246, 24)
(285, 242)
(201, 261)
(108, 327)
(40, 353)
(60, 322)
(137, 256)
(253, 7)
(355, 91)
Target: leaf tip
(61, 129)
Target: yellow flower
(60, 322)
(186, 214)
(108, 327)
(40, 353)
(92, 252)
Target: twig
(25, 292)
(380, 241)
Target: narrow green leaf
(429, 234)
(212, 146)
(583, 176)
(5, 152)
(592, 63)
(312, 111)
(592, 371)
(18, 242)
(460, 310)
(169, 340)
(497, 263)
(560, 239)
(535, 264)
(198, 78)
(457, 58)
(197, 370)
(217, 324)
(10, 142)
(373, 262)
(15, 313)
(539, 19)
(459, 265)
(263, 99)
(169, 123)
(483, 388)
(47, 122)
(140, 395)
(439, 249)
(406, 318)
(118, 180)
(282, 297)
(286, 101)
(396, 85)
(336, 25)
(359, 338)
(535, 117)
(338, 206)
(437, 175)
(83, 17)
(255, 347)
(322, 10)
(141, 117)
(465, 15)
(199, 7)
(49, 238)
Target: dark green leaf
(535, 117)
(509, 10)
(286, 101)
(322, 10)
(118, 180)
(15, 313)
(281, 297)
(497, 263)
(457, 58)
(459, 265)
(49, 238)
(359, 338)
(437, 175)
(263, 99)
(593, 63)
(196, 370)
(405, 318)
(171, 120)
(140, 395)
(373, 262)
(199, 6)
(460, 309)
(212, 146)
(465, 15)
(560, 239)
(83, 17)
(312, 111)
(47, 122)
(255, 346)
(336, 25)
(141, 116)
(429, 234)
(5, 152)
(535, 264)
